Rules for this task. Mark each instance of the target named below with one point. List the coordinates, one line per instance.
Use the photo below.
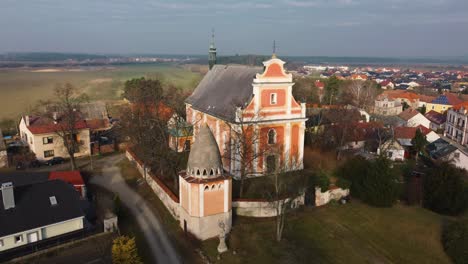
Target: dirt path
(111, 179)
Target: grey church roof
(33, 208)
(224, 88)
(204, 156)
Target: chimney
(8, 195)
(26, 120)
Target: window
(47, 140)
(273, 98)
(271, 136)
(18, 239)
(271, 163)
(48, 153)
(456, 155)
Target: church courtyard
(351, 233)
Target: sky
(382, 28)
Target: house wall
(440, 108)
(417, 120)
(460, 159)
(35, 143)
(387, 107)
(456, 127)
(42, 233)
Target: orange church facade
(258, 104)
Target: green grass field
(20, 89)
(353, 233)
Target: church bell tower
(212, 52)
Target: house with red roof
(41, 134)
(72, 177)
(413, 118)
(359, 77)
(437, 120)
(404, 135)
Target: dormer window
(273, 98)
(271, 137)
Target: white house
(446, 149)
(393, 150)
(414, 118)
(456, 127)
(37, 212)
(40, 135)
(387, 106)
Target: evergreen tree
(419, 142)
(331, 89)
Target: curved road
(111, 179)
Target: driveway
(111, 179)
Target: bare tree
(286, 185)
(361, 94)
(242, 145)
(63, 111)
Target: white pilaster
(287, 143)
(301, 145)
(226, 195)
(202, 199)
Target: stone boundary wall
(262, 207)
(322, 198)
(167, 197)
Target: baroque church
(254, 106)
(227, 100)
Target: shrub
(343, 183)
(124, 251)
(445, 192)
(320, 179)
(374, 182)
(455, 241)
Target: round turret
(204, 159)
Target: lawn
(353, 233)
(21, 88)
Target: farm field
(20, 89)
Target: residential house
(387, 85)
(38, 212)
(321, 89)
(437, 120)
(456, 127)
(410, 98)
(3, 152)
(392, 149)
(404, 135)
(359, 77)
(443, 102)
(446, 149)
(413, 118)
(425, 99)
(40, 134)
(384, 105)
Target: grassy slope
(354, 233)
(20, 90)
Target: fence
(262, 207)
(322, 198)
(167, 197)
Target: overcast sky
(300, 27)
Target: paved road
(111, 179)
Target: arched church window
(198, 172)
(207, 188)
(204, 172)
(213, 187)
(211, 172)
(271, 136)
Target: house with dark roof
(3, 152)
(437, 120)
(449, 150)
(37, 212)
(231, 98)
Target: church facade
(253, 116)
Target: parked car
(54, 161)
(35, 164)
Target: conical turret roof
(204, 159)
